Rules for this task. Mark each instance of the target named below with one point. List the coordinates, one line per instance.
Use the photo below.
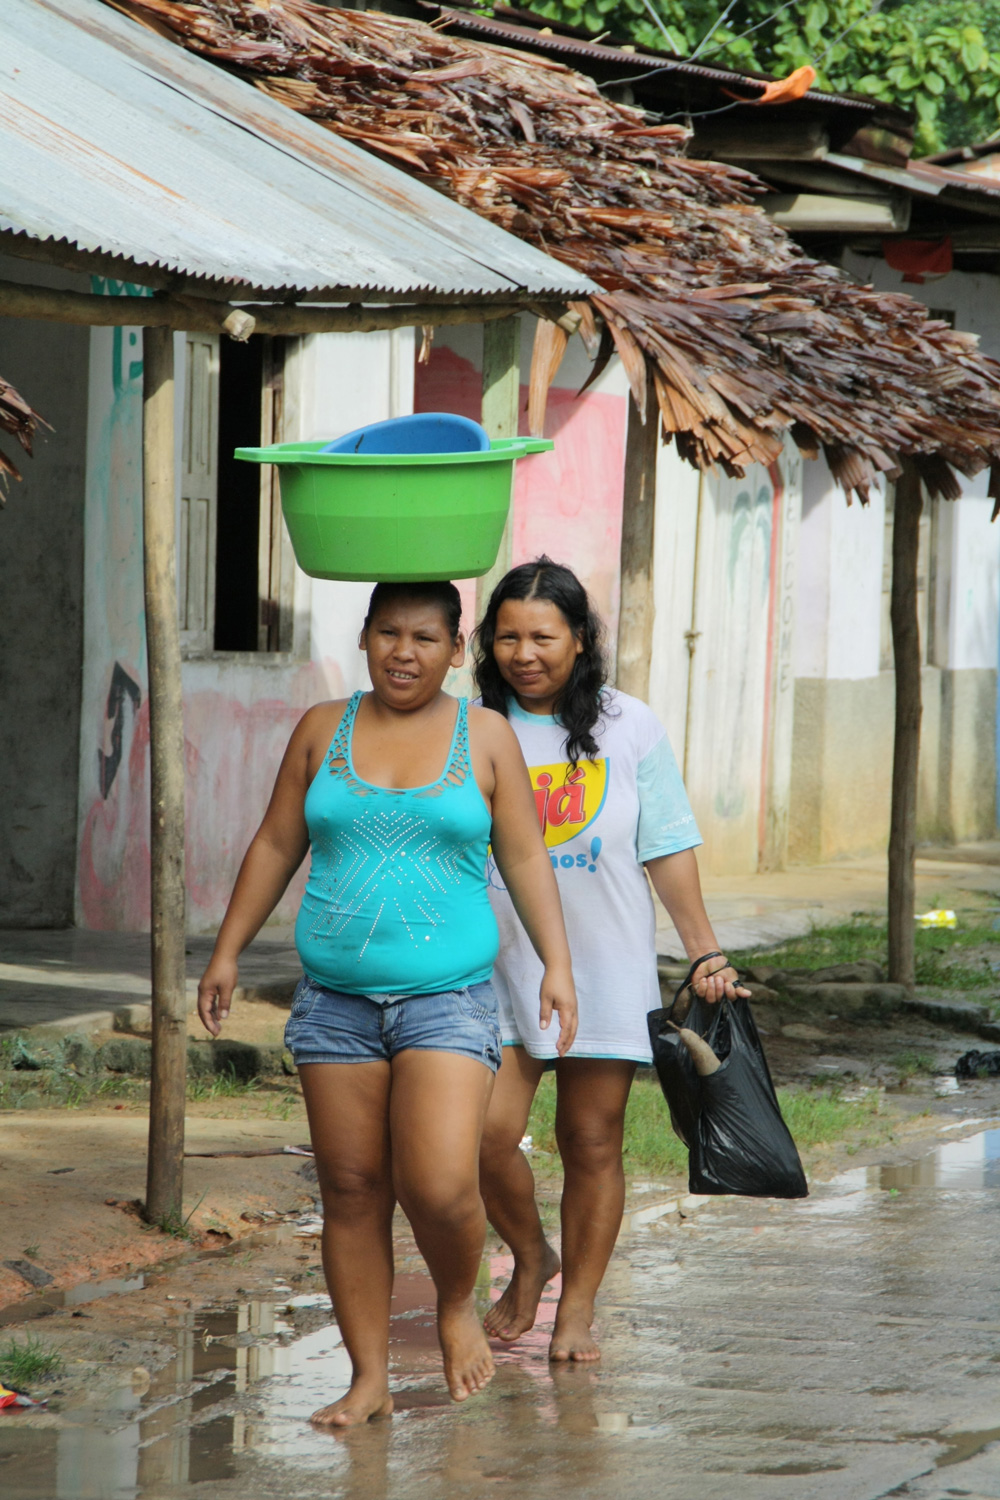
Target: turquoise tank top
(396, 901)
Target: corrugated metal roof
(923, 179)
(121, 143)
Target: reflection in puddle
(245, 1380)
(963, 1445)
(969, 1165)
(957, 1166)
(74, 1296)
(800, 1469)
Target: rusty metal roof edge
(155, 276)
(658, 62)
(925, 180)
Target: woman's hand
(215, 992)
(558, 993)
(715, 979)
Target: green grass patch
(25, 1362)
(814, 1116)
(939, 951)
(225, 1085)
(911, 1063)
(818, 1116)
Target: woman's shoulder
(622, 708)
(322, 719)
(486, 722)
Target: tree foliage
(936, 58)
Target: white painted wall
(677, 496)
(839, 603)
(724, 580)
(968, 605)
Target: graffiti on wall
(122, 686)
(112, 858)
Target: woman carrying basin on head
(613, 811)
(394, 1026)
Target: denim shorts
(328, 1026)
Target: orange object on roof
(783, 90)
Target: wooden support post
(165, 1162)
(636, 610)
(194, 314)
(906, 746)
(501, 398)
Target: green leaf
(974, 56)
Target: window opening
(199, 491)
(236, 574)
(275, 562)
(241, 368)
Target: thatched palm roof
(745, 337)
(18, 418)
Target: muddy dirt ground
(844, 1347)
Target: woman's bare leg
(590, 1122)
(348, 1108)
(508, 1187)
(437, 1108)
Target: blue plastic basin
(424, 432)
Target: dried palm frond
(18, 418)
(747, 338)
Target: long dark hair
(445, 595)
(581, 702)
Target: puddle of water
(30, 1308)
(970, 1164)
(964, 1445)
(800, 1469)
(74, 1296)
(244, 1377)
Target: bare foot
(514, 1311)
(572, 1339)
(366, 1401)
(468, 1363)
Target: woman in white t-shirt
(613, 810)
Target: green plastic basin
(395, 517)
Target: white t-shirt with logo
(601, 821)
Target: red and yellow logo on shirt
(568, 798)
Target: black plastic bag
(729, 1120)
(978, 1065)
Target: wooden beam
(821, 213)
(165, 1161)
(501, 398)
(636, 611)
(906, 745)
(199, 315)
(734, 139)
